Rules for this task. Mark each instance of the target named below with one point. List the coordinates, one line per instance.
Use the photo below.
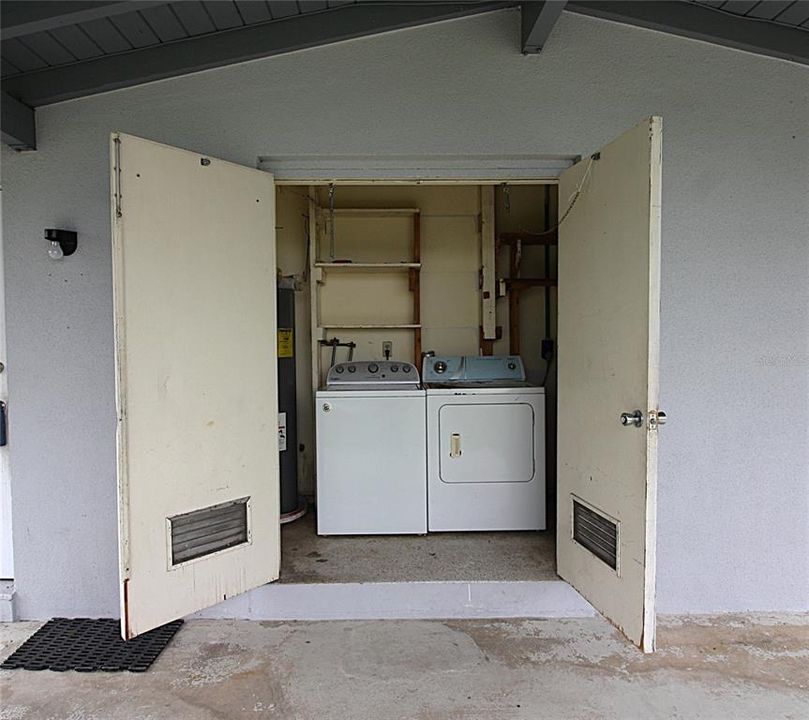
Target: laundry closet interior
(417, 381)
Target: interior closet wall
(522, 208)
(450, 292)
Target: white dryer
(371, 450)
(485, 445)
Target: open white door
(194, 274)
(609, 313)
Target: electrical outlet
(387, 349)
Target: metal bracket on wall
(117, 191)
(3, 425)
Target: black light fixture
(63, 243)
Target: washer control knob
(512, 366)
(352, 368)
(394, 368)
(373, 367)
(440, 367)
(405, 368)
(339, 369)
(326, 407)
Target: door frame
(6, 538)
(309, 171)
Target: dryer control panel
(464, 369)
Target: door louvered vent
(597, 533)
(209, 530)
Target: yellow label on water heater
(286, 344)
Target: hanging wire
(575, 195)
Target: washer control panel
(373, 372)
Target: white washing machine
(371, 450)
(485, 445)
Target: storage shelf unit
(321, 232)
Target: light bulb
(55, 251)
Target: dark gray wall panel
(740, 7)
(224, 14)
(19, 126)
(253, 11)
(77, 41)
(164, 23)
(21, 56)
(134, 28)
(283, 8)
(8, 68)
(48, 49)
(106, 35)
(796, 13)
(698, 22)
(193, 17)
(768, 10)
(238, 45)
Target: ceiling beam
(19, 127)
(702, 23)
(538, 19)
(113, 72)
(23, 18)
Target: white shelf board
(368, 326)
(376, 212)
(368, 267)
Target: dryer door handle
(455, 445)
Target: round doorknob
(634, 418)
(661, 417)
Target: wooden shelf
(369, 267)
(370, 326)
(376, 212)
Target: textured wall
(734, 471)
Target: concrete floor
(493, 556)
(707, 668)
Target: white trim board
(392, 169)
(404, 601)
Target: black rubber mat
(89, 645)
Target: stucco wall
(734, 469)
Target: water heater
(287, 413)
